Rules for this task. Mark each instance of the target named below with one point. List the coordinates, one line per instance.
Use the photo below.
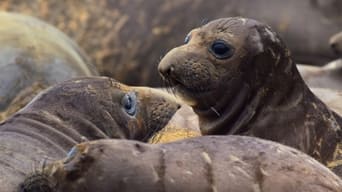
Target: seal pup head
(226, 65)
(100, 107)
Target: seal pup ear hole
(220, 49)
(129, 103)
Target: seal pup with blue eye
(239, 78)
(75, 111)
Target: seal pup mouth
(188, 85)
(159, 109)
(187, 94)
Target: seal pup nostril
(169, 71)
(178, 106)
(166, 70)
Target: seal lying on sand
(210, 163)
(76, 111)
(239, 78)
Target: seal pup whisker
(215, 111)
(204, 21)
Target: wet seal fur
(256, 91)
(210, 163)
(72, 112)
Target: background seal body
(33, 56)
(129, 37)
(210, 163)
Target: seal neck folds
(240, 103)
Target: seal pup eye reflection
(129, 103)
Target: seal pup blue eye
(129, 103)
(71, 154)
(221, 49)
(187, 38)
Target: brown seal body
(123, 37)
(240, 79)
(210, 163)
(72, 112)
(33, 56)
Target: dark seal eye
(129, 103)
(187, 38)
(221, 50)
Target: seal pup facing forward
(72, 112)
(239, 77)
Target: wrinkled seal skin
(211, 163)
(33, 56)
(123, 36)
(72, 112)
(257, 91)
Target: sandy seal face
(115, 109)
(74, 111)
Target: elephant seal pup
(75, 111)
(210, 163)
(239, 77)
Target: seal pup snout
(159, 107)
